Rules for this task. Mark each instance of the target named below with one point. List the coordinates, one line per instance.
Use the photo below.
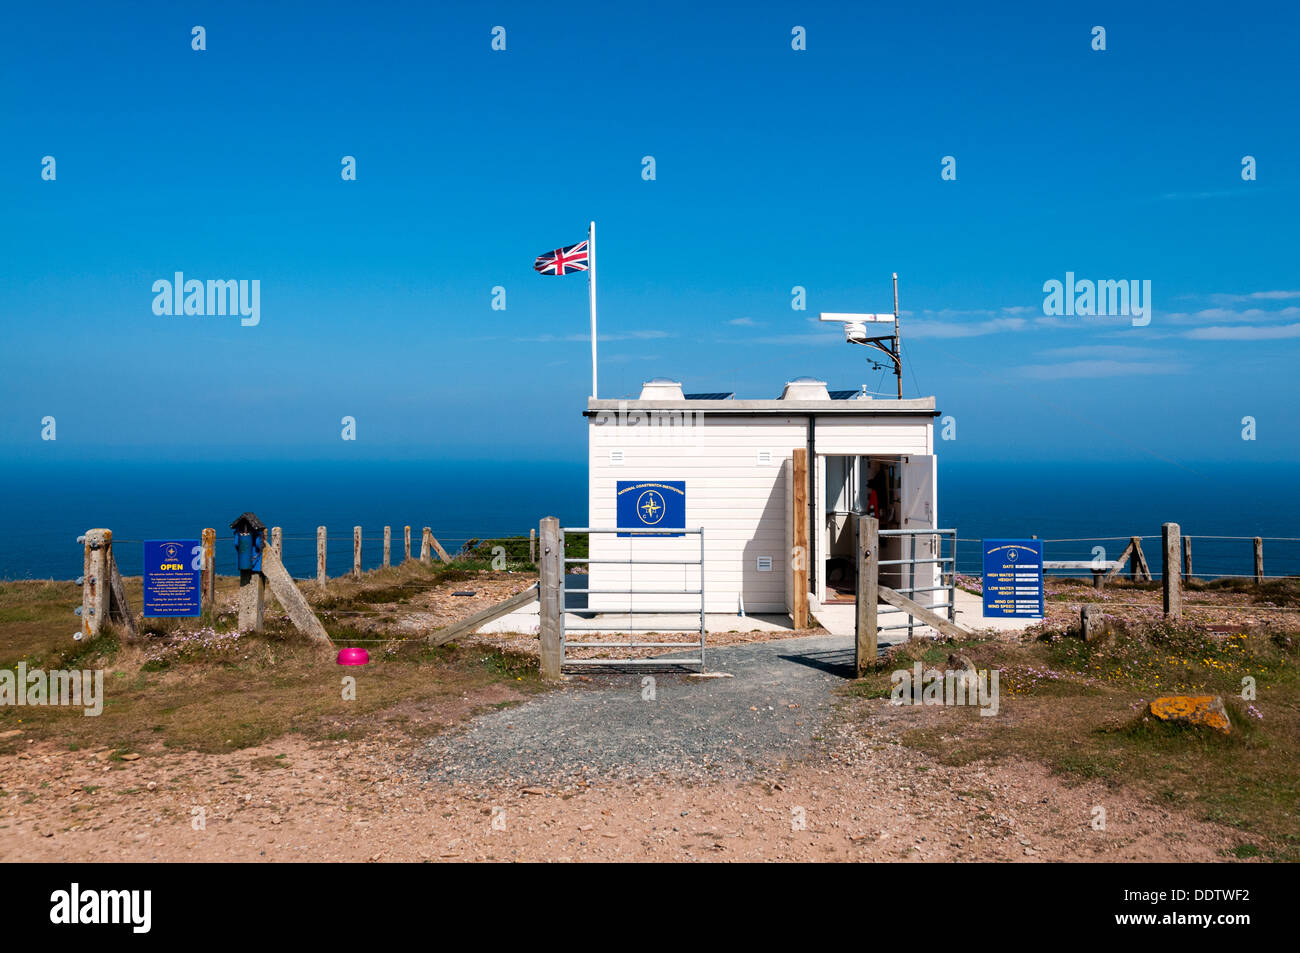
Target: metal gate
(923, 562)
(638, 617)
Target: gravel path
(600, 726)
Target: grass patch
(201, 685)
(1080, 708)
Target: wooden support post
(252, 599)
(466, 626)
(532, 546)
(866, 646)
(921, 614)
(1119, 563)
(1171, 578)
(1187, 559)
(356, 552)
(1141, 572)
(551, 594)
(799, 549)
(437, 548)
(321, 544)
(425, 546)
(96, 582)
(388, 546)
(291, 600)
(208, 573)
(119, 605)
(407, 557)
(1259, 561)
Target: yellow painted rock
(1204, 710)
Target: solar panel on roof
(844, 394)
(713, 395)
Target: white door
(919, 512)
(819, 529)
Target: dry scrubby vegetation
(1080, 708)
(200, 684)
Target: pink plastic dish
(353, 656)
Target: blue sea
(47, 506)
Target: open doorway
(858, 486)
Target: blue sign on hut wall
(653, 505)
(1013, 578)
(171, 577)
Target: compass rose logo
(650, 507)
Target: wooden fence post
(532, 546)
(321, 544)
(799, 556)
(1259, 561)
(95, 584)
(1171, 578)
(866, 646)
(425, 536)
(1187, 559)
(356, 552)
(551, 594)
(388, 546)
(407, 557)
(208, 575)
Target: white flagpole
(591, 288)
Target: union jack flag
(563, 260)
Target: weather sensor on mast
(865, 329)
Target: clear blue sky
(775, 168)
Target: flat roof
(873, 407)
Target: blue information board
(652, 504)
(171, 577)
(1013, 578)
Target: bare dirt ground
(795, 781)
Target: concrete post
(388, 546)
(407, 557)
(252, 600)
(551, 595)
(1187, 559)
(1172, 579)
(322, 576)
(426, 545)
(95, 585)
(1259, 561)
(356, 552)
(1087, 623)
(277, 541)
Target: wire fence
(299, 551)
(1213, 556)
